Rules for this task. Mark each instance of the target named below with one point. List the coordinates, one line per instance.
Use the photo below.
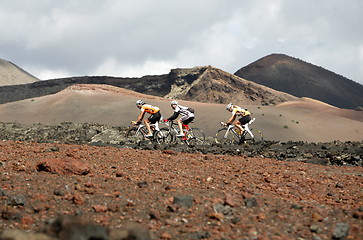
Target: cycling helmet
(139, 102)
(174, 102)
(229, 106)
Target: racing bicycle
(192, 136)
(137, 134)
(231, 134)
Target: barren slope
(212, 85)
(303, 79)
(203, 84)
(10, 74)
(300, 120)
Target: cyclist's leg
(239, 126)
(152, 120)
(187, 120)
(182, 121)
(242, 121)
(180, 125)
(147, 125)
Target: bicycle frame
(174, 130)
(245, 127)
(171, 127)
(142, 128)
(190, 135)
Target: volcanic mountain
(10, 74)
(302, 79)
(203, 84)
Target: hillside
(104, 104)
(302, 79)
(216, 86)
(204, 84)
(10, 74)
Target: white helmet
(139, 102)
(174, 102)
(229, 106)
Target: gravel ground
(328, 153)
(81, 181)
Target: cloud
(132, 37)
(114, 68)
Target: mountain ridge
(270, 80)
(303, 79)
(11, 74)
(205, 84)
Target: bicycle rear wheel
(224, 137)
(256, 137)
(134, 136)
(195, 136)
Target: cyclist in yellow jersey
(154, 112)
(238, 111)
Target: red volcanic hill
(10, 74)
(302, 79)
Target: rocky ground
(83, 181)
(327, 153)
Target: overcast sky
(132, 38)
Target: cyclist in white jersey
(187, 116)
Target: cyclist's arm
(231, 119)
(140, 117)
(174, 116)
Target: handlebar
(135, 123)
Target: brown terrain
(302, 79)
(133, 193)
(220, 197)
(300, 120)
(55, 186)
(213, 85)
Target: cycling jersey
(240, 111)
(183, 111)
(149, 109)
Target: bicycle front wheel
(223, 136)
(163, 136)
(195, 137)
(134, 136)
(256, 137)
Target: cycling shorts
(245, 119)
(187, 120)
(154, 117)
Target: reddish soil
(178, 195)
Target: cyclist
(186, 118)
(154, 112)
(238, 111)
